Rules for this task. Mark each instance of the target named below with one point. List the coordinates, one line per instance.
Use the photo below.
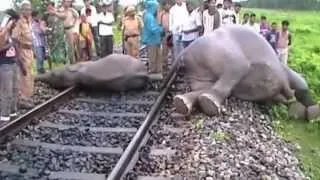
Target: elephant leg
(211, 100)
(184, 103)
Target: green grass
(304, 58)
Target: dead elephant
(234, 60)
(116, 72)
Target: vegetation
(304, 58)
(284, 4)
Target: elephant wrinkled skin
(234, 60)
(116, 72)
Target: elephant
(116, 72)
(235, 61)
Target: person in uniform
(70, 18)
(132, 26)
(22, 34)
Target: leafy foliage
(305, 58)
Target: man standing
(151, 36)
(211, 18)
(237, 9)
(284, 42)
(228, 14)
(252, 24)
(22, 34)
(177, 15)
(105, 23)
(70, 18)
(39, 44)
(132, 26)
(191, 26)
(164, 21)
(93, 21)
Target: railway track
(81, 135)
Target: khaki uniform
(132, 28)
(70, 22)
(23, 34)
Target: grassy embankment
(304, 58)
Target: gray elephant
(116, 72)
(234, 60)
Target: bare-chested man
(70, 18)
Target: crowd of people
(89, 35)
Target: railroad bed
(83, 138)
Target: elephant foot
(182, 104)
(209, 104)
(313, 112)
(297, 110)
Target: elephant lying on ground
(116, 72)
(234, 60)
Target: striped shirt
(38, 36)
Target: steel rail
(37, 111)
(126, 158)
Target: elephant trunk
(43, 77)
(299, 84)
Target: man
(22, 34)
(39, 43)
(284, 42)
(70, 18)
(191, 26)
(211, 18)
(177, 15)
(132, 26)
(264, 26)
(252, 23)
(237, 9)
(273, 36)
(151, 36)
(93, 21)
(105, 22)
(164, 21)
(228, 14)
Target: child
(8, 75)
(273, 36)
(86, 39)
(132, 26)
(284, 42)
(264, 26)
(245, 19)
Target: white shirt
(230, 14)
(177, 16)
(93, 18)
(192, 21)
(105, 30)
(255, 27)
(208, 21)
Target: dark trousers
(106, 45)
(96, 40)
(40, 53)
